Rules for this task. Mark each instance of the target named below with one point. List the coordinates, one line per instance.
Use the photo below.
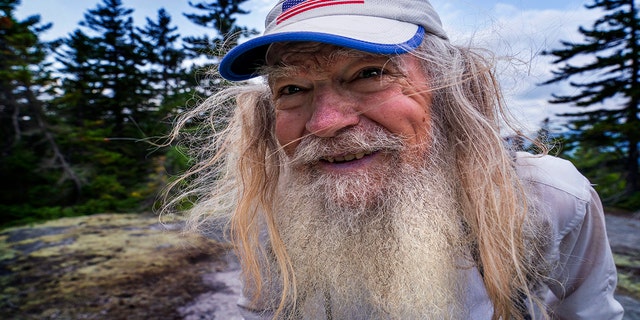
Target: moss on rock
(106, 266)
(628, 274)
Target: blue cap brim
(243, 61)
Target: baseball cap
(374, 26)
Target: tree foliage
(79, 116)
(220, 16)
(32, 156)
(608, 90)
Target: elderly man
(366, 178)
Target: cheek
(409, 117)
(290, 127)
(418, 116)
(422, 125)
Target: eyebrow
(279, 71)
(282, 69)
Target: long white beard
(398, 256)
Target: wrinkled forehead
(312, 56)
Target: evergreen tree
(119, 59)
(613, 43)
(109, 100)
(220, 16)
(81, 82)
(33, 165)
(21, 55)
(167, 74)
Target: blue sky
(517, 30)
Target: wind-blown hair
(237, 169)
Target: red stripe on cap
(310, 5)
(300, 7)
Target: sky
(516, 30)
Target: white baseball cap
(375, 26)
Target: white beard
(396, 256)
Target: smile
(345, 158)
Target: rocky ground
(134, 267)
(106, 267)
(624, 237)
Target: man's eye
(289, 90)
(370, 73)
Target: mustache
(354, 140)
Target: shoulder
(582, 280)
(554, 173)
(556, 189)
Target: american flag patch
(291, 8)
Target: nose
(332, 112)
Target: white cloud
(259, 10)
(518, 37)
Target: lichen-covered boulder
(108, 266)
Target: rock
(624, 234)
(220, 304)
(105, 267)
(624, 238)
(631, 307)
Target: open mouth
(345, 158)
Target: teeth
(348, 157)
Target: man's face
(367, 202)
(327, 92)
